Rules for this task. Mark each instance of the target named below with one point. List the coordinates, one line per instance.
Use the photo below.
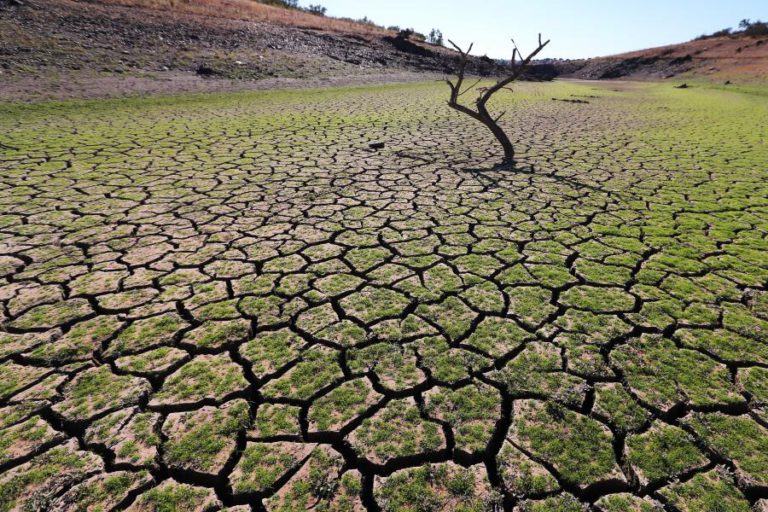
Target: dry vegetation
(251, 10)
(66, 47)
(718, 57)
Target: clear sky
(578, 28)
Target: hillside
(54, 49)
(252, 10)
(60, 47)
(718, 58)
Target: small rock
(577, 101)
(204, 70)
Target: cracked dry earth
(230, 302)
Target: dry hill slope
(87, 48)
(101, 42)
(720, 58)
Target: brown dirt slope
(60, 35)
(86, 41)
(720, 58)
(251, 10)
(56, 48)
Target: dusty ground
(81, 85)
(231, 301)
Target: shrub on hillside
(747, 28)
(409, 33)
(290, 4)
(317, 9)
(754, 28)
(720, 33)
(436, 37)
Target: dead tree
(486, 93)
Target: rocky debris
(576, 101)
(203, 70)
(68, 35)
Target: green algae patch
(236, 290)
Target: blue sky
(578, 28)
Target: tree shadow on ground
(499, 176)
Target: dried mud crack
(231, 302)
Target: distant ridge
(715, 58)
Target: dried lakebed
(232, 302)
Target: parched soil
(232, 301)
(80, 85)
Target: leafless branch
(481, 113)
(470, 87)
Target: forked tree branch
(481, 113)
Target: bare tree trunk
(499, 133)
(481, 114)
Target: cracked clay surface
(232, 302)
